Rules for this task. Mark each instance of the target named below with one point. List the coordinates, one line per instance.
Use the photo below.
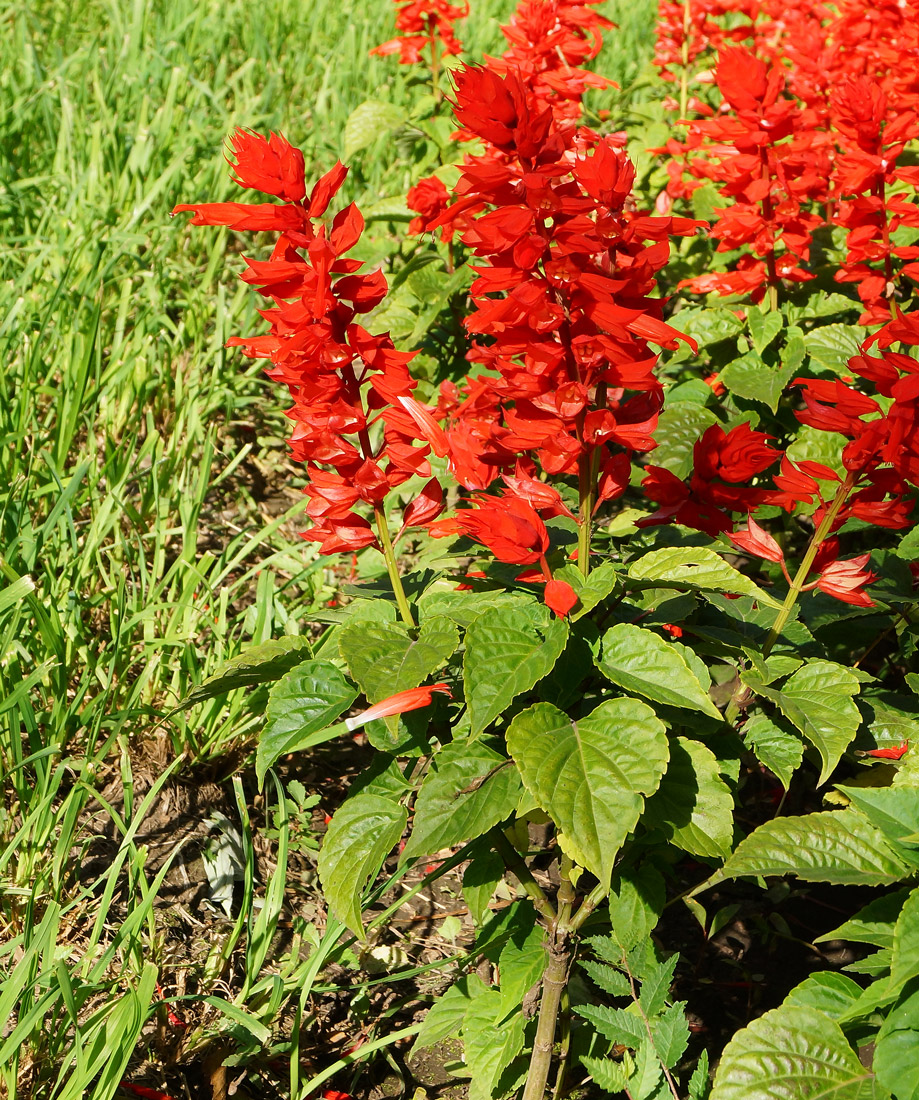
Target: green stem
(588, 905)
(392, 566)
(587, 490)
(826, 526)
(518, 868)
(684, 57)
(554, 980)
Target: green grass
(147, 525)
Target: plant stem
(516, 865)
(558, 1093)
(587, 487)
(554, 979)
(825, 527)
(684, 57)
(392, 566)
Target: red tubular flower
(426, 25)
(273, 167)
(400, 703)
(759, 542)
(509, 527)
(560, 597)
(846, 580)
(895, 752)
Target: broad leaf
(894, 810)
(834, 345)
(896, 1062)
(754, 380)
(793, 1052)
(469, 788)
(300, 707)
(693, 804)
(445, 1018)
(679, 427)
(818, 700)
(780, 750)
(904, 963)
(490, 1043)
(480, 880)
(695, 568)
(640, 661)
(384, 659)
(508, 650)
(591, 591)
(363, 831)
(764, 326)
(832, 994)
(838, 846)
(259, 665)
(636, 901)
(874, 923)
(367, 122)
(522, 960)
(590, 776)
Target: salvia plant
(638, 472)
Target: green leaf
(608, 1074)
(896, 1062)
(300, 707)
(446, 1016)
(832, 994)
(640, 661)
(636, 901)
(367, 122)
(619, 1025)
(874, 923)
(522, 961)
(793, 1052)
(656, 986)
(695, 568)
(764, 326)
(490, 1043)
(780, 750)
(678, 429)
(752, 379)
(904, 963)
(590, 775)
(465, 607)
(611, 981)
(508, 650)
(259, 665)
(384, 659)
(480, 880)
(364, 829)
(693, 804)
(469, 788)
(698, 1087)
(591, 591)
(833, 345)
(894, 810)
(838, 846)
(818, 700)
(707, 326)
(671, 1034)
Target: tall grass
(147, 525)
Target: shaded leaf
(904, 963)
(367, 122)
(259, 665)
(780, 750)
(636, 902)
(693, 804)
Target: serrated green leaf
(521, 962)
(490, 1043)
(833, 345)
(679, 428)
(872, 924)
(896, 1062)
(367, 122)
(636, 901)
(300, 707)
(469, 788)
(590, 776)
(384, 659)
(894, 810)
(793, 1052)
(671, 1034)
(445, 1018)
(609, 1075)
(640, 661)
(904, 963)
(752, 379)
(611, 981)
(593, 589)
(261, 664)
(645, 1082)
(508, 651)
(764, 326)
(695, 568)
(829, 993)
(780, 750)
(698, 1087)
(818, 700)
(838, 846)
(693, 805)
(656, 986)
(616, 1024)
(480, 880)
(363, 830)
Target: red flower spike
(509, 527)
(759, 542)
(560, 597)
(426, 507)
(272, 166)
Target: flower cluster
(426, 25)
(355, 420)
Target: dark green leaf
(904, 963)
(636, 902)
(874, 923)
(364, 829)
(480, 880)
(778, 748)
(671, 1034)
(616, 1024)
(611, 981)
(300, 707)
(445, 1018)
(754, 380)
(693, 804)
(259, 665)
(656, 986)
